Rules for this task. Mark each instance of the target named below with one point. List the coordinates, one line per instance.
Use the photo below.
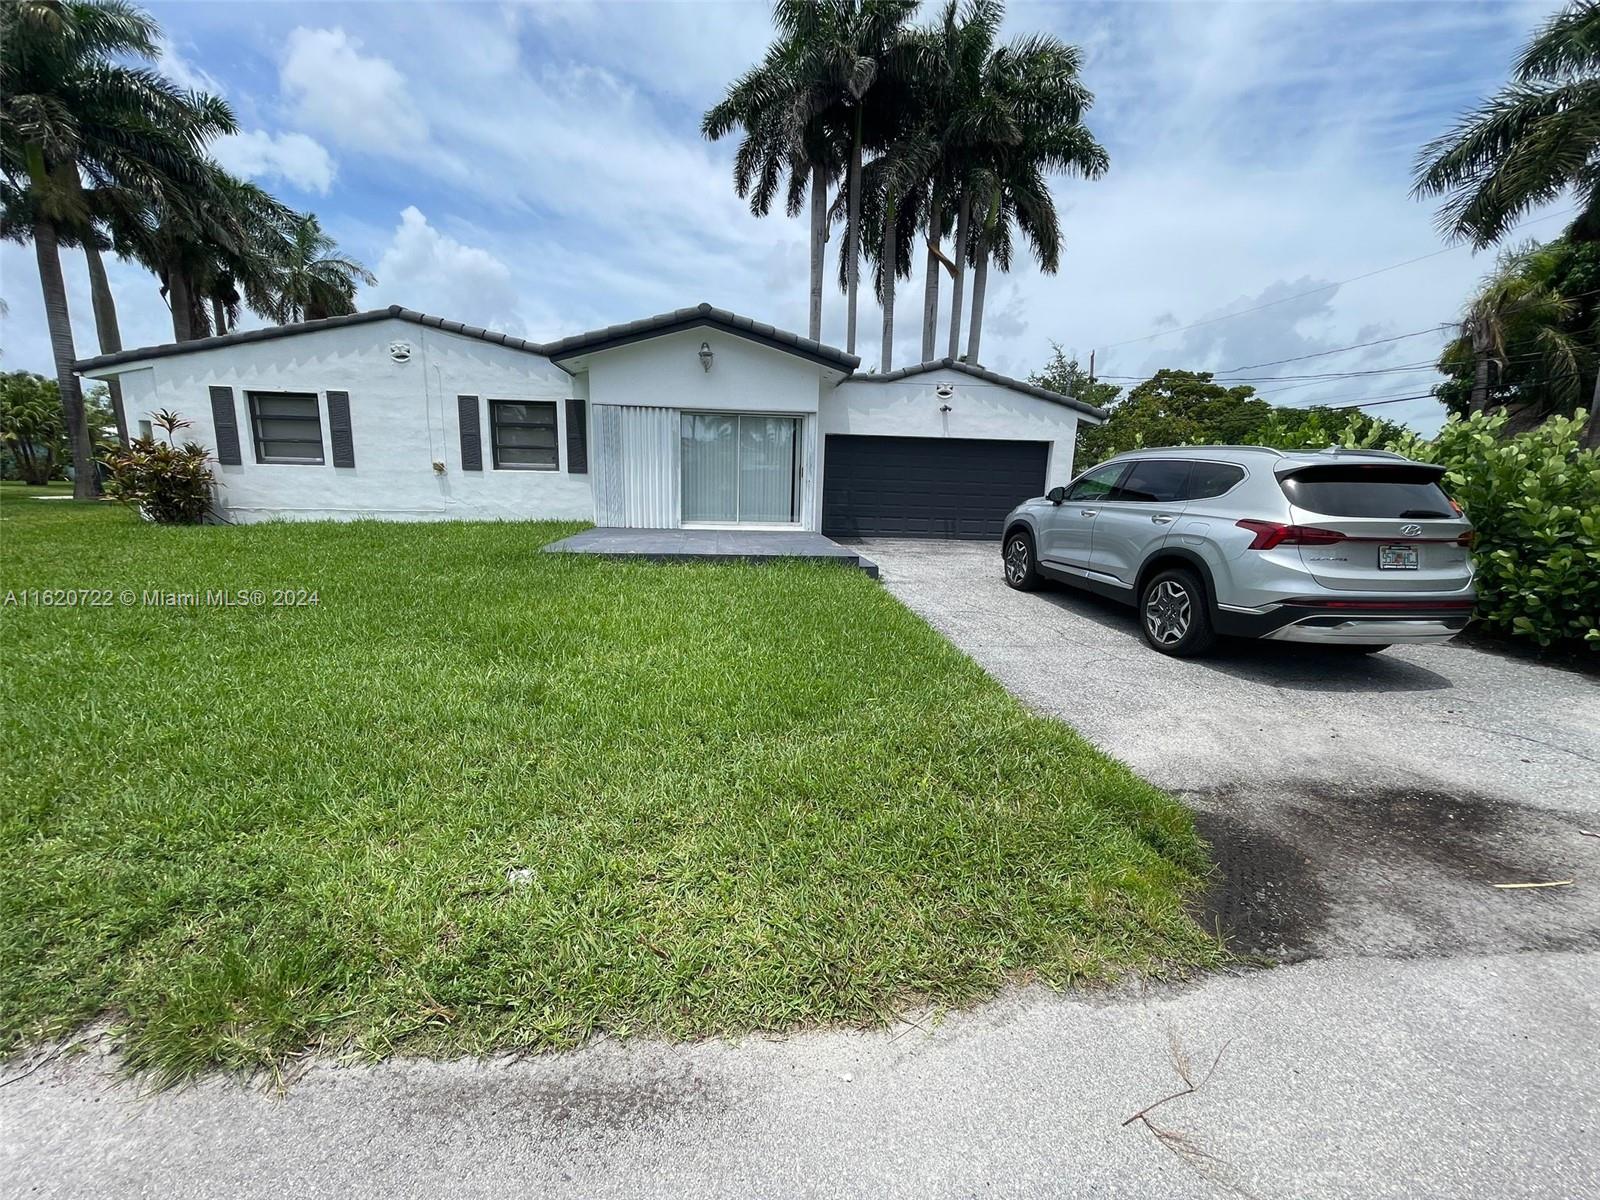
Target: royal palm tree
(789, 141)
(1034, 82)
(70, 112)
(804, 109)
(1529, 142)
(960, 115)
(313, 281)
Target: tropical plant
(169, 484)
(1534, 502)
(72, 110)
(1528, 143)
(30, 424)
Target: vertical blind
(738, 469)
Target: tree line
(898, 131)
(101, 154)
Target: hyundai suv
(1350, 548)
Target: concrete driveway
(1432, 1035)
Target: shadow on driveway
(1275, 664)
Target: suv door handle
(1088, 512)
(1163, 518)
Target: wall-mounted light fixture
(706, 355)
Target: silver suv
(1352, 548)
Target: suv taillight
(1467, 538)
(1274, 533)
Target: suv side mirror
(1056, 495)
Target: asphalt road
(1431, 1035)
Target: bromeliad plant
(168, 483)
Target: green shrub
(1534, 500)
(168, 483)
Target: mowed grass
(483, 798)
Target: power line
(1399, 337)
(1317, 291)
(1402, 368)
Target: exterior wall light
(705, 355)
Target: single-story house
(695, 418)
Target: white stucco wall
(404, 417)
(911, 407)
(745, 376)
(629, 385)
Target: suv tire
(1018, 561)
(1175, 614)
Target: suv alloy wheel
(1174, 616)
(1018, 560)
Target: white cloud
(184, 73)
(361, 100)
(293, 158)
(425, 269)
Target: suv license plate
(1397, 558)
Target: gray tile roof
(988, 376)
(393, 313)
(599, 339)
(691, 318)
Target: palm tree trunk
(47, 249)
(980, 281)
(819, 241)
(963, 217)
(889, 255)
(106, 330)
(1591, 431)
(930, 285)
(1480, 372)
(219, 316)
(182, 301)
(853, 237)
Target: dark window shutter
(577, 437)
(344, 447)
(471, 434)
(225, 420)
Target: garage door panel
(926, 487)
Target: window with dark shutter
(225, 420)
(577, 437)
(339, 434)
(524, 435)
(287, 427)
(471, 434)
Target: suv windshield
(1369, 491)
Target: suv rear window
(1212, 479)
(1368, 491)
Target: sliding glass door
(739, 469)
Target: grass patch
(738, 797)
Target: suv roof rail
(1198, 450)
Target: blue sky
(538, 169)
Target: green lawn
(744, 797)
